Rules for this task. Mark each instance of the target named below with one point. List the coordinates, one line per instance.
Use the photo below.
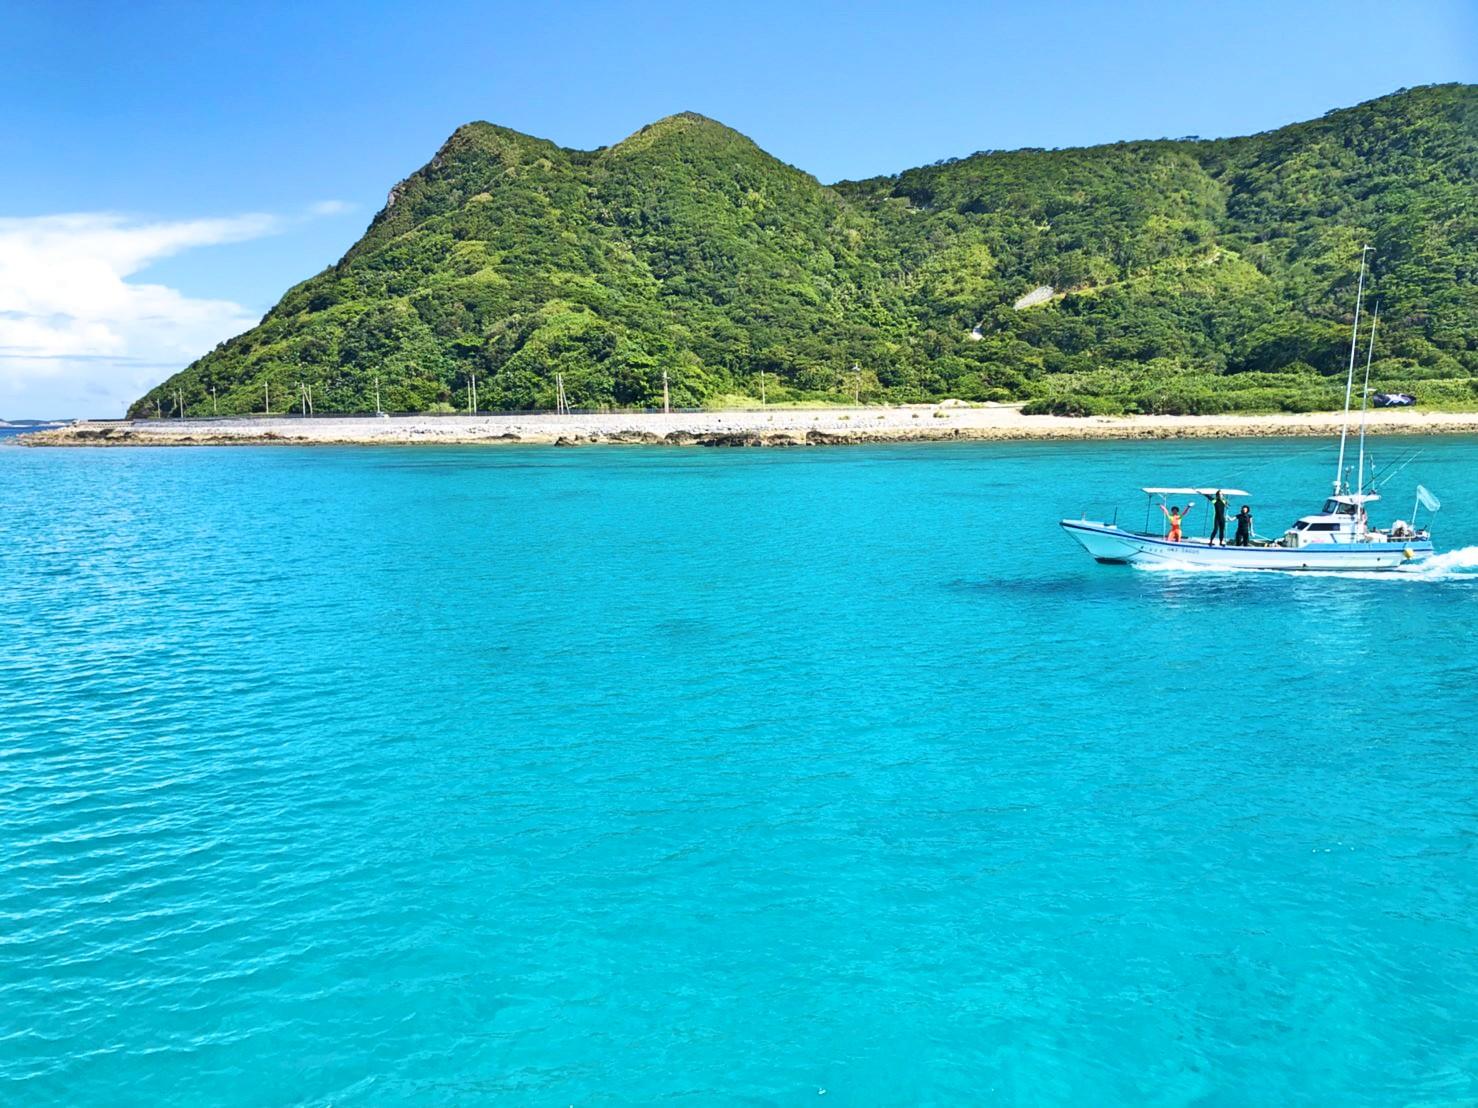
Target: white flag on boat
(1426, 499)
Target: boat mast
(1365, 398)
(1344, 431)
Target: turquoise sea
(635, 776)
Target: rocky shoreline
(763, 428)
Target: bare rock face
(632, 437)
(1039, 295)
(734, 438)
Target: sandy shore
(774, 427)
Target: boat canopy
(1196, 492)
(1356, 498)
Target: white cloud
(78, 337)
(330, 207)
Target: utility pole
(378, 409)
(666, 396)
(762, 388)
(159, 405)
(474, 394)
(267, 398)
(857, 385)
(179, 399)
(561, 401)
(214, 408)
(303, 397)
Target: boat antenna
(1344, 431)
(1380, 477)
(1365, 397)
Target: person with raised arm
(1219, 519)
(1175, 516)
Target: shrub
(1181, 403)
(1075, 405)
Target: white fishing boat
(1339, 537)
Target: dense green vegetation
(1187, 275)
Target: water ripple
(357, 776)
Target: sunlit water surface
(634, 775)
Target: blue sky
(212, 155)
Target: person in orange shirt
(1175, 516)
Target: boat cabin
(1342, 519)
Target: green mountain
(1184, 275)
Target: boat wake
(1462, 562)
(1452, 565)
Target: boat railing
(1108, 520)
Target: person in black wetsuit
(1218, 519)
(1243, 536)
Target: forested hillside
(1184, 276)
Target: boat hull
(1107, 543)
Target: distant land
(1160, 277)
(950, 421)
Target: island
(685, 267)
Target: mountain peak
(689, 117)
(678, 125)
(482, 135)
